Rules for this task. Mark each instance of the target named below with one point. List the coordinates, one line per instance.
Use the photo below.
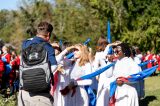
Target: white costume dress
(80, 98)
(125, 95)
(102, 92)
(63, 79)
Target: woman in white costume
(81, 67)
(140, 84)
(100, 61)
(61, 79)
(125, 94)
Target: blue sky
(9, 4)
(12, 4)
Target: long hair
(101, 44)
(85, 55)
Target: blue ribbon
(145, 63)
(8, 67)
(101, 70)
(134, 77)
(91, 95)
(87, 41)
(70, 55)
(60, 43)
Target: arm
(60, 57)
(83, 82)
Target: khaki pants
(27, 99)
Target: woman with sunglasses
(125, 94)
(74, 92)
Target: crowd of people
(67, 89)
(9, 70)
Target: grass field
(152, 94)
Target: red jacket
(1, 68)
(7, 56)
(149, 57)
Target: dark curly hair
(125, 49)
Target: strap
(22, 99)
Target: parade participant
(81, 67)
(148, 57)
(125, 94)
(15, 62)
(101, 61)
(139, 85)
(6, 58)
(60, 78)
(1, 71)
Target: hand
(70, 48)
(115, 43)
(68, 88)
(119, 82)
(71, 85)
(60, 68)
(65, 91)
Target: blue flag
(109, 39)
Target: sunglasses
(75, 49)
(117, 51)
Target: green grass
(152, 94)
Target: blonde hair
(85, 54)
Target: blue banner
(132, 78)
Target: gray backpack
(35, 73)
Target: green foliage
(134, 21)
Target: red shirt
(149, 57)
(7, 56)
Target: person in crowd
(60, 78)
(101, 61)
(148, 57)
(44, 98)
(6, 58)
(74, 92)
(125, 94)
(158, 62)
(15, 62)
(137, 56)
(2, 69)
(139, 85)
